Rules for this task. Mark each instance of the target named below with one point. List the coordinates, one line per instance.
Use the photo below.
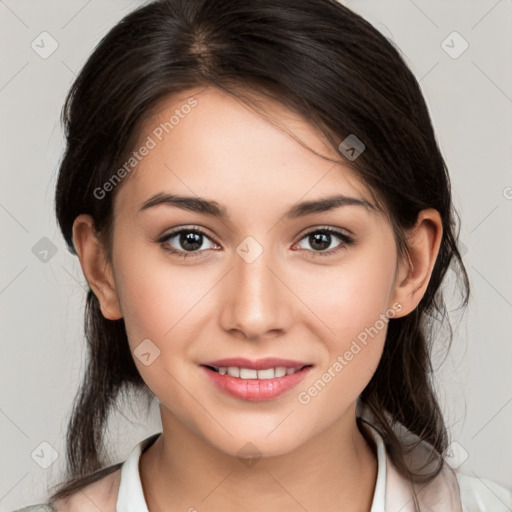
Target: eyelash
(345, 241)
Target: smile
(249, 373)
(256, 381)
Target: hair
(324, 62)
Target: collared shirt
(393, 492)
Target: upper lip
(258, 364)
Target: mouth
(250, 373)
(260, 380)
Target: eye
(321, 239)
(189, 241)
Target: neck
(334, 471)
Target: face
(314, 291)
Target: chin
(254, 443)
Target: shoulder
(482, 495)
(99, 495)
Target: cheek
(161, 303)
(350, 298)
(159, 299)
(352, 307)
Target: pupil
(193, 239)
(323, 239)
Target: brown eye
(321, 241)
(186, 240)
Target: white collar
(131, 496)
(393, 492)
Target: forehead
(208, 143)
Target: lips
(263, 379)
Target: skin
(287, 303)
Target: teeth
(266, 374)
(233, 371)
(249, 373)
(280, 371)
(246, 373)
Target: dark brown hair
(321, 60)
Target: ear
(413, 275)
(95, 266)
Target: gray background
(41, 302)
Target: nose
(256, 302)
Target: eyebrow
(212, 208)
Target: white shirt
(392, 491)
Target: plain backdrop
(469, 94)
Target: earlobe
(97, 270)
(415, 269)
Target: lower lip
(256, 389)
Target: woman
(264, 218)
